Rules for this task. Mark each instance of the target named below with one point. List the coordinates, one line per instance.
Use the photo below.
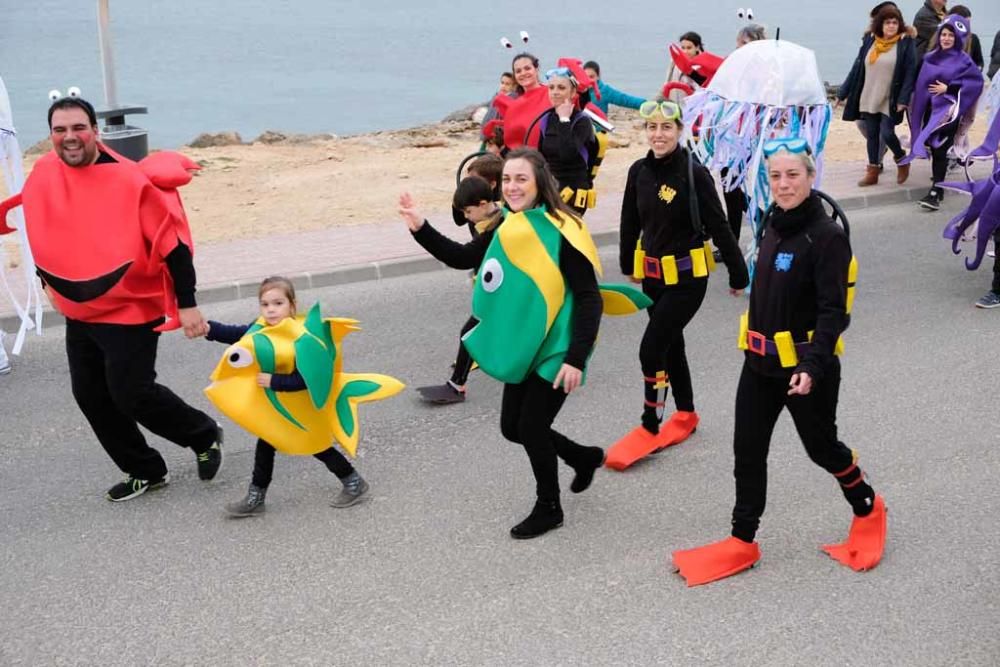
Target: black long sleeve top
(576, 269)
(657, 205)
(565, 147)
(230, 333)
(800, 285)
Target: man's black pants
(113, 372)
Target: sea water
(348, 67)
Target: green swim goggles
(789, 144)
(669, 110)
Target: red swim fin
(715, 561)
(865, 541)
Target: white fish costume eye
(749, 14)
(239, 357)
(74, 91)
(491, 275)
(961, 27)
(524, 36)
(505, 43)
(55, 94)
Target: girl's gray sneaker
(251, 504)
(354, 490)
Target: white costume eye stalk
(492, 275)
(55, 94)
(239, 357)
(749, 14)
(505, 43)
(524, 37)
(741, 13)
(74, 91)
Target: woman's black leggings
(263, 463)
(463, 362)
(526, 415)
(759, 401)
(662, 353)
(939, 155)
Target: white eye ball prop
(74, 91)
(524, 37)
(54, 95)
(749, 14)
(239, 357)
(505, 43)
(741, 13)
(491, 275)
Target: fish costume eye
(492, 273)
(239, 358)
(55, 94)
(73, 91)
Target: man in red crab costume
(114, 253)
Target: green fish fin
(314, 362)
(623, 299)
(352, 389)
(264, 351)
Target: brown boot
(902, 172)
(871, 176)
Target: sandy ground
(260, 189)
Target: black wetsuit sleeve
(977, 52)
(713, 218)
(454, 254)
(288, 381)
(830, 277)
(587, 304)
(572, 137)
(180, 263)
(225, 333)
(630, 225)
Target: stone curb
(421, 263)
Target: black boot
(585, 474)
(547, 515)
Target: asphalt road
(425, 573)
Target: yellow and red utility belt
(699, 262)
(782, 345)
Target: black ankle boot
(585, 475)
(546, 516)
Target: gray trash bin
(128, 140)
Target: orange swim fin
(678, 428)
(715, 561)
(636, 444)
(865, 541)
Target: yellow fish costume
(297, 422)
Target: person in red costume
(114, 253)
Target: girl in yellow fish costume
(281, 379)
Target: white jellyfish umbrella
(768, 89)
(22, 291)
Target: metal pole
(107, 57)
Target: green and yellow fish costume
(522, 302)
(297, 422)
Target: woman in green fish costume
(538, 307)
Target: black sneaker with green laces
(210, 460)
(133, 486)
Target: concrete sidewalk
(372, 251)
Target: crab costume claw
(703, 565)
(865, 541)
(5, 207)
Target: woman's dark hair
(592, 64)
(692, 37)
(879, 7)
(521, 56)
(472, 191)
(488, 167)
(280, 283)
(887, 12)
(548, 188)
(73, 103)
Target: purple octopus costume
(985, 205)
(965, 83)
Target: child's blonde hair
(279, 283)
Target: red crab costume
(699, 69)
(99, 239)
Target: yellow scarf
(882, 46)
